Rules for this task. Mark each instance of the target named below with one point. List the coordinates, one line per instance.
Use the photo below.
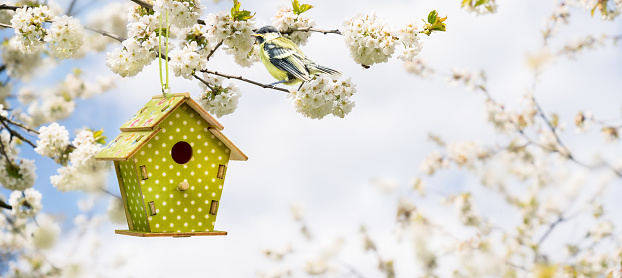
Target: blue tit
(284, 60)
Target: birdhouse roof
(143, 125)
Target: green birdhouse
(171, 161)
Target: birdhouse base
(187, 234)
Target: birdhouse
(171, 161)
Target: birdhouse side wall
(133, 196)
(187, 210)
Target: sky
(327, 166)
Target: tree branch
(213, 50)
(9, 7)
(5, 205)
(17, 134)
(19, 124)
(71, 5)
(265, 86)
(309, 29)
(106, 33)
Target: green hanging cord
(166, 89)
(160, 52)
(168, 28)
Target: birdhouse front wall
(133, 196)
(184, 151)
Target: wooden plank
(236, 153)
(123, 195)
(186, 234)
(142, 128)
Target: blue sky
(327, 165)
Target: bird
(284, 60)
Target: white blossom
(5, 91)
(53, 140)
(26, 95)
(181, 13)
(411, 42)
(26, 204)
(603, 230)
(130, 59)
(235, 35)
(56, 108)
(432, 163)
(369, 39)
(322, 96)
(46, 233)
(116, 211)
(111, 18)
(19, 64)
(20, 175)
(465, 153)
(199, 34)
(83, 157)
(471, 79)
(609, 10)
(285, 19)
(186, 61)
(28, 25)
(65, 37)
(417, 66)
(83, 172)
(218, 100)
(480, 7)
(66, 180)
(3, 112)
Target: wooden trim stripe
(187, 234)
(236, 153)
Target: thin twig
(17, 134)
(213, 50)
(19, 125)
(110, 193)
(71, 5)
(106, 33)
(560, 219)
(265, 86)
(143, 4)
(309, 29)
(5, 25)
(204, 82)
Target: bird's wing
(286, 56)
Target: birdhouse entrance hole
(181, 152)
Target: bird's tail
(318, 69)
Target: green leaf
(480, 2)
(432, 16)
(304, 8)
(235, 8)
(295, 6)
(240, 15)
(300, 8)
(465, 2)
(435, 23)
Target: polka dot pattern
(185, 211)
(134, 197)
